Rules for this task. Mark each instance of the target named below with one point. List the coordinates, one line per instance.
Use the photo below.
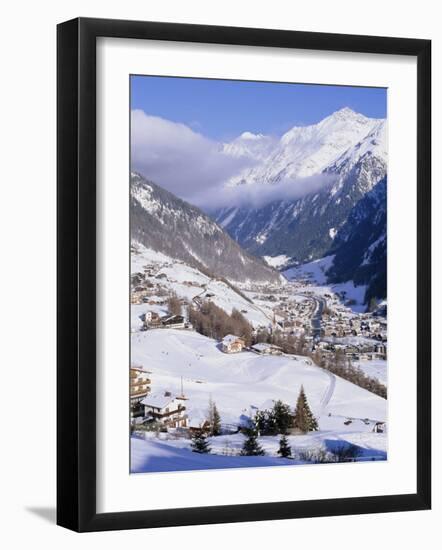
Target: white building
(232, 344)
(267, 349)
(166, 409)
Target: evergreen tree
(265, 423)
(199, 443)
(251, 446)
(304, 420)
(214, 418)
(282, 416)
(284, 450)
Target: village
(290, 322)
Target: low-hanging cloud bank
(178, 158)
(196, 168)
(260, 195)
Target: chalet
(173, 321)
(152, 319)
(232, 344)
(198, 423)
(267, 349)
(166, 409)
(135, 299)
(139, 389)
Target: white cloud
(178, 158)
(259, 195)
(196, 168)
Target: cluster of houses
(146, 287)
(295, 315)
(146, 294)
(358, 351)
(236, 344)
(152, 319)
(364, 335)
(343, 324)
(165, 409)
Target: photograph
(258, 254)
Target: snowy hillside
(314, 271)
(245, 382)
(189, 283)
(164, 223)
(241, 384)
(156, 454)
(376, 369)
(315, 276)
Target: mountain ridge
(167, 224)
(304, 228)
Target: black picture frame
(76, 274)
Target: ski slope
(376, 368)
(242, 383)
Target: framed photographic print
(243, 274)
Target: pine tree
(214, 418)
(199, 443)
(282, 416)
(251, 446)
(284, 450)
(216, 421)
(304, 420)
(265, 423)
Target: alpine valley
(167, 224)
(258, 327)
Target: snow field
(241, 383)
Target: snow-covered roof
(230, 339)
(159, 401)
(140, 369)
(197, 418)
(263, 346)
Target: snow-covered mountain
(309, 150)
(162, 222)
(361, 245)
(347, 149)
(248, 145)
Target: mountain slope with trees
(346, 151)
(360, 246)
(164, 223)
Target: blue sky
(223, 109)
